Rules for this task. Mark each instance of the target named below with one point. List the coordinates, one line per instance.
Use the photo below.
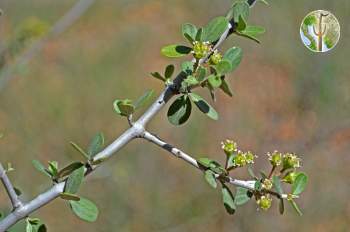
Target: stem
(271, 172)
(15, 201)
(182, 155)
(136, 130)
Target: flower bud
(250, 157)
(215, 58)
(229, 147)
(264, 202)
(275, 158)
(290, 161)
(240, 159)
(201, 49)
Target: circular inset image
(320, 31)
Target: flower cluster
(215, 58)
(264, 202)
(229, 147)
(201, 49)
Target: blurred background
(285, 98)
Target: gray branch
(16, 203)
(182, 155)
(137, 130)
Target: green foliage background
(284, 97)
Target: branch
(182, 155)
(136, 130)
(16, 203)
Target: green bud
(201, 49)
(290, 161)
(229, 147)
(240, 159)
(275, 158)
(215, 58)
(250, 157)
(264, 202)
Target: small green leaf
(240, 9)
(74, 181)
(96, 145)
(53, 168)
(242, 24)
(157, 76)
(205, 162)
(295, 207)
(215, 29)
(40, 167)
(223, 67)
(143, 99)
(174, 51)
(201, 73)
(210, 178)
(299, 184)
(228, 199)
(251, 173)
(277, 184)
(234, 56)
(203, 106)
(257, 186)
(214, 81)
(69, 169)
(242, 196)
(189, 81)
(199, 35)
(123, 107)
(34, 225)
(191, 30)
(69, 197)
(85, 209)
(252, 32)
(187, 67)
(180, 111)
(226, 88)
(169, 71)
(79, 149)
(281, 206)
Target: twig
(137, 130)
(15, 201)
(182, 155)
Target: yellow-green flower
(267, 184)
(250, 157)
(275, 158)
(240, 159)
(229, 146)
(290, 161)
(215, 58)
(201, 49)
(264, 202)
